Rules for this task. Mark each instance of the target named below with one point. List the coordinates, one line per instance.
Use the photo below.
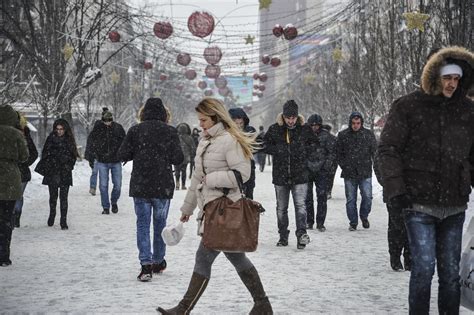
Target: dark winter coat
(13, 150)
(153, 146)
(355, 152)
(322, 154)
(57, 160)
(289, 148)
(195, 135)
(426, 148)
(105, 142)
(187, 142)
(25, 166)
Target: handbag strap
(240, 181)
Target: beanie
(106, 114)
(315, 119)
(290, 109)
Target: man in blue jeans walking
(103, 143)
(355, 152)
(154, 147)
(426, 158)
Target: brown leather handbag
(232, 226)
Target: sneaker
(5, 263)
(303, 240)
(159, 268)
(282, 242)
(365, 223)
(352, 227)
(114, 208)
(321, 228)
(92, 191)
(106, 211)
(146, 273)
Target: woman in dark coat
(57, 162)
(24, 167)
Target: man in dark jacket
(426, 156)
(154, 147)
(288, 141)
(189, 150)
(321, 156)
(105, 140)
(355, 152)
(242, 120)
(332, 171)
(260, 155)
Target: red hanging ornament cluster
(256, 76)
(265, 59)
(263, 77)
(183, 59)
(163, 30)
(200, 24)
(114, 36)
(289, 32)
(277, 30)
(212, 54)
(275, 61)
(147, 65)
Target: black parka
(25, 166)
(426, 148)
(153, 146)
(322, 154)
(104, 142)
(355, 151)
(289, 150)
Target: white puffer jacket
(219, 154)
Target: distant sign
(241, 88)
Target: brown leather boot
(252, 281)
(197, 285)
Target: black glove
(401, 202)
(91, 164)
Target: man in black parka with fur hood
(426, 156)
(288, 141)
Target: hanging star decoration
(244, 74)
(136, 87)
(157, 94)
(115, 77)
(249, 39)
(416, 20)
(264, 4)
(68, 50)
(243, 61)
(337, 54)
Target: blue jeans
(93, 179)
(365, 186)
(432, 240)
(320, 181)
(143, 210)
(116, 171)
(19, 203)
(298, 193)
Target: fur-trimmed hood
(281, 122)
(431, 79)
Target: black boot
(252, 281)
(197, 285)
(63, 223)
(52, 215)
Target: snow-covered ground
(92, 267)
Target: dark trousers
(180, 172)
(320, 182)
(330, 181)
(63, 192)
(397, 234)
(6, 226)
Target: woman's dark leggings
(6, 226)
(53, 199)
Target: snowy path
(92, 267)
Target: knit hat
(106, 114)
(315, 119)
(290, 109)
(154, 110)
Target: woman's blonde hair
(215, 109)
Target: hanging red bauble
(277, 30)
(263, 77)
(266, 59)
(208, 92)
(290, 32)
(255, 86)
(256, 76)
(275, 61)
(147, 65)
(163, 30)
(200, 24)
(190, 74)
(224, 91)
(202, 85)
(220, 82)
(183, 59)
(163, 77)
(261, 87)
(213, 71)
(114, 36)
(212, 55)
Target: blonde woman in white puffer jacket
(222, 149)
